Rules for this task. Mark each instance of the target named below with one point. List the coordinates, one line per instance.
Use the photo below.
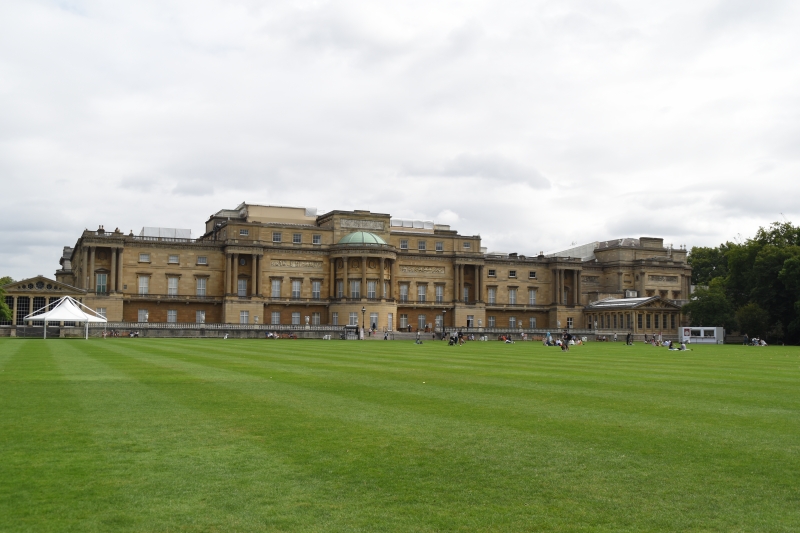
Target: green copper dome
(362, 238)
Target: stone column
(92, 285)
(363, 276)
(84, 282)
(455, 282)
(235, 275)
(393, 281)
(574, 287)
(460, 283)
(478, 283)
(332, 282)
(112, 286)
(382, 280)
(553, 285)
(345, 281)
(120, 271)
(14, 312)
(227, 274)
(256, 276)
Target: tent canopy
(67, 309)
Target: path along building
(283, 265)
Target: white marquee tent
(67, 309)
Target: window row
(491, 321)
(492, 273)
(438, 246)
(297, 238)
(491, 296)
(173, 259)
(623, 321)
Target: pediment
(42, 285)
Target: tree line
(5, 312)
(751, 287)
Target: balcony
(172, 297)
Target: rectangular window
(672, 321)
(656, 320)
(296, 287)
(373, 320)
(422, 291)
(276, 288)
(532, 322)
(102, 311)
(648, 321)
(532, 274)
(202, 260)
(276, 236)
(200, 317)
(316, 239)
(295, 318)
(276, 318)
(316, 289)
(492, 273)
(242, 287)
(404, 244)
(467, 246)
(144, 258)
(102, 283)
(340, 289)
(439, 246)
(470, 321)
(439, 294)
(512, 322)
(403, 292)
(335, 319)
(492, 321)
(531, 296)
(144, 284)
(602, 321)
(492, 296)
(244, 232)
(385, 289)
(174, 259)
(315, 319)
(355, 289)
(639, 320)
(466, 294)
(201, 286)
(244, 317)
(512, 296)
(172, 286)
(512, 273)
(437, 321)
(353, 319)
(422, 246)
(371, 289)
(569, 322)
(421, 322)
(143, 315)
(172, 316)
(403, 321)
(628, 320)
(297, 238)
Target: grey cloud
(486, 167)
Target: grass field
(255, 435)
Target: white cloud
(533, 124)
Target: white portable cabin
(702, 335)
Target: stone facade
(264, 265)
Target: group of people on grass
(755, 341)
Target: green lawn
(256, 435)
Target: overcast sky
(535, 124)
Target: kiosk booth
(702, 335)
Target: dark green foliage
(764, 270)
(710, 307)
(205, 435)
(753, 320)
(5, 312)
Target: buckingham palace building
(261, 264)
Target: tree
(5, 312)
(708, 263)
(753, 320)
(710, 307)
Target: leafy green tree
(753, 320)
(710, 307)
(5, 312)
(708, 263)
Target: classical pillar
(227, 274)
(455, 282)
(393, 280)
(235, 274)
(112, 287)
(332, 282)
(256, 276)
(92, 285)
(363, 276)
(478, 283)
(574, 287)
(346, 265)
(120, 271)
(14, 312)
(381, 280)
(85, 268)
(461, 283)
